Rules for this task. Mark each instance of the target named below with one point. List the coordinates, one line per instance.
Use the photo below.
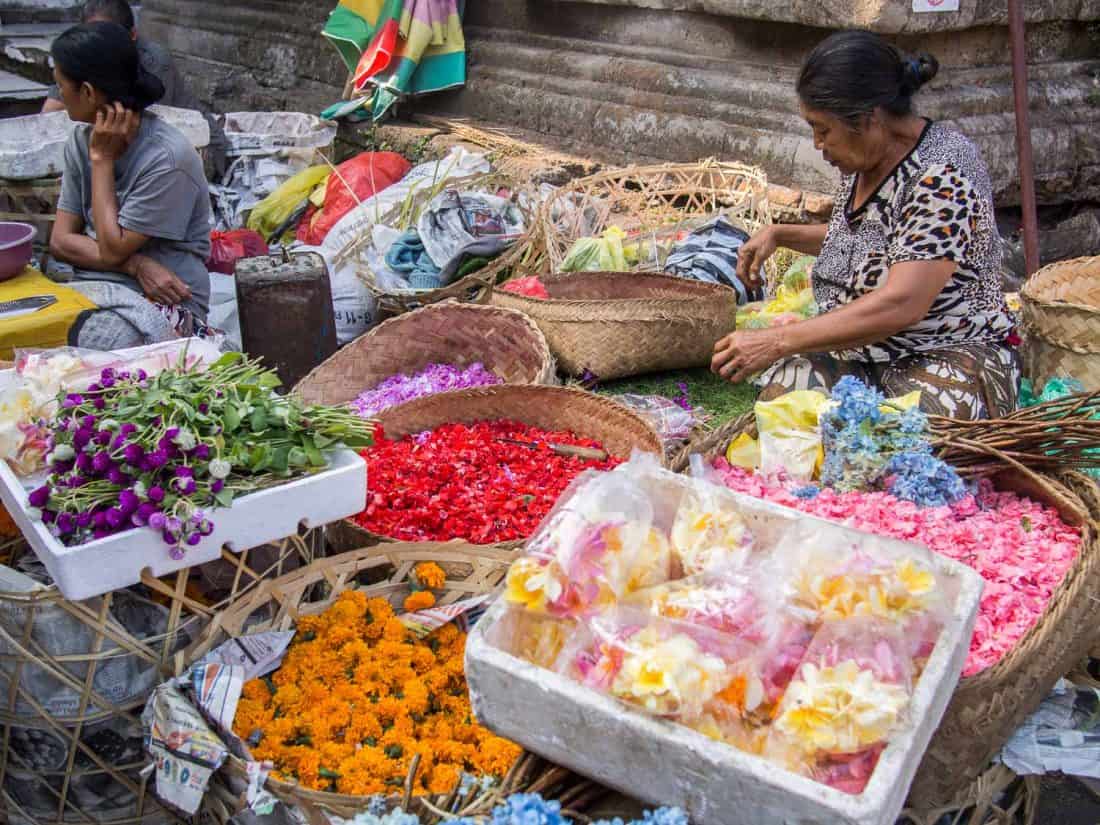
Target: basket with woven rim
(506, 343)
(615, 324)
(619, 430)
(474, 286)
(645, 200)
(471, 571)
(1060, 308)
(989, 706)
(70, 707)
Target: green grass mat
(722, 400)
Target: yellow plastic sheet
(45, 328)
(270, 213)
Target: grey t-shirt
(162, 193)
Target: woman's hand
(114, 130)
(745, 353)
(752, 255)
(160, 284)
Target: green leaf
(270, 381)
(322, 440)
(227, 360)
(232, 419)
(280, 460)
(258, 421)
(297, 457)
(315, 456)
(224, 497)
(260, 458)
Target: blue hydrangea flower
(924, 480)
(666, 816)
(395, 817)
(807, 492)
(528, 809)
(856, 402)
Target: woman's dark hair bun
(850, 74)
(104, 55)
(918, 70)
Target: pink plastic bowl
(16, 242)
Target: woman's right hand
(160, 284)
(752, 255)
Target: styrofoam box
(107, 564)
(43, 157)
(663, 763)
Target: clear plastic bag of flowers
(832, 577)
(668, 668)
(709, 534)
(599, 543)
(849, 696)
(546, 641)
(672, 422)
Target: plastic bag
(530, 286)
(849, 696)
(273, 212)
(790, 440)
(744, 451)
(226, 248)
(351, 183)
(672, 422)
(602, 254)
(709, 534)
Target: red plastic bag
(531, 286)
(226, 248)
(365, 174)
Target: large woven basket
(507, 343)
(74, 677)
(471, 571)
(614, 324)
(989, 706)
(1060, 305)
(550, 408)
(646, 200)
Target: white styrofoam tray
(107, 564)
(663, 763)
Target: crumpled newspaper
(1063, 735)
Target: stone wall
(638, 80)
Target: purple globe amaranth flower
(99, 404)
(174, 525)
(100, 533)
(101, 462)
(206, 527)
(155, 460)
(107, 383)
(128, 501)
(201, 452)
(142, 375)
(115, 517)
(176, 552)
(39, 497)
(88, 421)
(76, 480)
(186, 486)
(81, 438)
(158, 520)
(194, 539)
(156, 494)
(169, 537)
(128, 429)
(84, 519)
(204, 409)
(116, 476)
(184, 472)
(132, 454)
(72, 400)
(145, 512)
(99, 518)
(48, 516)
(65, 523)
(95, 387)
(84, 463)
(103, 438)
(107, 372)
(217, 486)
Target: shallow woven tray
(989, 706)
(471, 571)
(550, 408)
(507, 343)
(1060, 308)
(615, 324)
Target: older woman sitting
(908, 268)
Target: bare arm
(762, 245)
(901, 302)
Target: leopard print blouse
(936, 205)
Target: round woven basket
(277, 604)
(989, 706)
(614, 324)
(1060, 305)
(645, 201)
(506, 343)
(550, 408)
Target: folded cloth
(407, 255)
(710, 254)
(124, 318)
(456, 224)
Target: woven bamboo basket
(471, 571)
(551, 408)
(615, 324)
(1060, 306)
(989, 706)
(507, 343)
(646, 201)
(74, 677)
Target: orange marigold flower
(419, 600)
(430, 575)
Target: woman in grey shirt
(134, 206)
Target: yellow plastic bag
(602, 254)
(270, 213)
(790, 438)
(46, 328)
